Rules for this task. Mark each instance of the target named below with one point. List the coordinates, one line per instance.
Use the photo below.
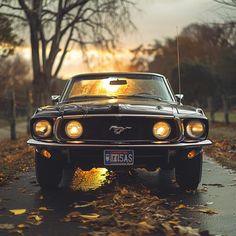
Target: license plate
(118, 157)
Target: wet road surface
(217, 191)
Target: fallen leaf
(103, 206)
(22, 226)
(181, 206)
(173, 222)
(76, 214)
(127, 205)
(187, 231)
(18, 211)
(91, 216)
(7, 226)
(84, 205)
(167, 229)
(124, 191)
(35, 217)
(207, 211)
(146, 226)
(44, 209)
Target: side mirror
(55, 98)
(179, 97)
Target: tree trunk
(226, 109)
(28, 110)
(41, 80)
(12, 114)
(211, 109)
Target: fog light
(192, 154)
(46, 154)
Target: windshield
(153, 87)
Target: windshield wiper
(143, 96)
(76, 98)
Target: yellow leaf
(91, 216)
(36, 217)
(181, 206)
(18, 211)
(22, 226)
(44, 209)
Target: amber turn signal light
(46, 154)
(192, 154)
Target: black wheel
(48, 171)
(188, 173)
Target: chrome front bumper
(34, 142)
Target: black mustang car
(119, 121)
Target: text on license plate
(119, 157)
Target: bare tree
(230, 3)
(56, 25)
(8, 39)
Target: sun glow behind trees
(95, 61)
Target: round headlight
(42, 128)
(161, 130)
(73, 129)
(195, 129)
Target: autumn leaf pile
(129, 211)
(15, 157)
(222, 150)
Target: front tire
(48, 171)
(188, 172)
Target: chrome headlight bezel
(78, 127)
(158, 131)
(195, 129)
(46, 125)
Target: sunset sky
(156, 19)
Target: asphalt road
(217, 191)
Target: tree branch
(64, 52)
(231, 3)
(11, 15)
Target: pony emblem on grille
(118, 129)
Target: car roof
(114, 74)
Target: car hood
(120, 106)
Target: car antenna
(178, 63)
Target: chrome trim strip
(172, 145)
(56, 129)
(116, 115)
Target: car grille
(136, 128)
